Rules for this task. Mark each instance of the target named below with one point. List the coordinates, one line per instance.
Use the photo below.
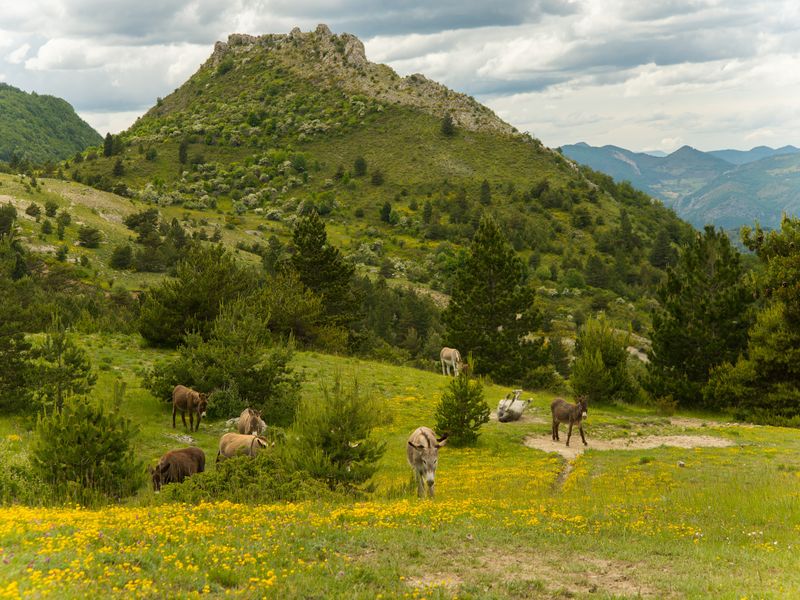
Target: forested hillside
(40, 128)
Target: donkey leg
(420, 486)
(173, 416)
(183, 418)
(569, 433)
(199, 416)
(555, 430)
(430, 490)
(191, 421)
(580, 428)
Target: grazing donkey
(451, 361)
(250, 422)
(185, 400)
(423, 455)
(177, 465)
(234, 444)
(574, 414)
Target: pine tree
(119, 168)
(764, 386)
(322, 268)
(600, 370)
(108, 145)
(386, 212)
(703, 318)
(663, 254)
(492, 310)
(62, 369)
(448, 127)
(462, 410)
(205, 278)
(183, 151)
(359, 167)
(486, 193)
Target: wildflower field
(508, 521)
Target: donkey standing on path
(574, 414)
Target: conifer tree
(703, 318)
(322, 268)
(663, 254)
(764, 386)
(492, 309)
(108, 145)
(486, 193)
(448, 126)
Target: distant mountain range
(728, 188)
(40, 128)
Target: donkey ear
(441, 441)
(164, 467)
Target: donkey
(423, 455)
(185, 400)
(233, 444)
(451, 361)
(250, 422)
(574, 414)
(177, 465)
(511, 408)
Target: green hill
(273, 126)
(40, 128)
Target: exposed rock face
(340, 60)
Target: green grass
(622, 524)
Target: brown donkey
(574, 414)
(185, 400)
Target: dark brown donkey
(185, 399)
(177, 465)
(574, 414)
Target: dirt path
(576, 447)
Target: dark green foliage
(386, 212)
(40, 128)
(703, 318)
(462, 410)
(108, 145)
(89, 237)
(596, 272)
(323, 270)
(377, 177)
(205, 278)
(121, 257)
(485, 193)
(764, 386)
(183, 151)
(331, 437)
(448, 127)
(359, 167)
(119, 168)
(600, 370)
(274, 257)
(33, 209)
(61, 368)
(8, 216)
(225, 66)
(64, 218)
(50, 208)
(15, 354)
(61, 253)
(47, 227)
(663, 255)
(85, 452)
(267, 478)
(559, 356)
(239, 354)
(492, 308)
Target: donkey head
(583, 403)
(202, 404)
(428, 458)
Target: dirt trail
(576, 447)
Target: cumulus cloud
(641, 74)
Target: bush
(544, 377)
(18, 484)
(600, 370)
(330, 438)
(89, 237)
(121, 257)
(85, 452)
(462, 409)
(50, 208)
(269, 477)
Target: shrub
(330, 438)
(85, 452)
(33, 210)
(50, 208)
(121, 257)
(269, 477)
(600, 370)
(18, 484)
(89, 237)
(462, 409)
(47, 227)
(360, 167)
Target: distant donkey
(423, 456)
(451, 361)
(574, 414)
(185, 400)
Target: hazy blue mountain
(742, 157)
(728, 188)
(757, 191)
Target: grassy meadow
(508, 521)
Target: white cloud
(710, 73)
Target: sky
(642, 74)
